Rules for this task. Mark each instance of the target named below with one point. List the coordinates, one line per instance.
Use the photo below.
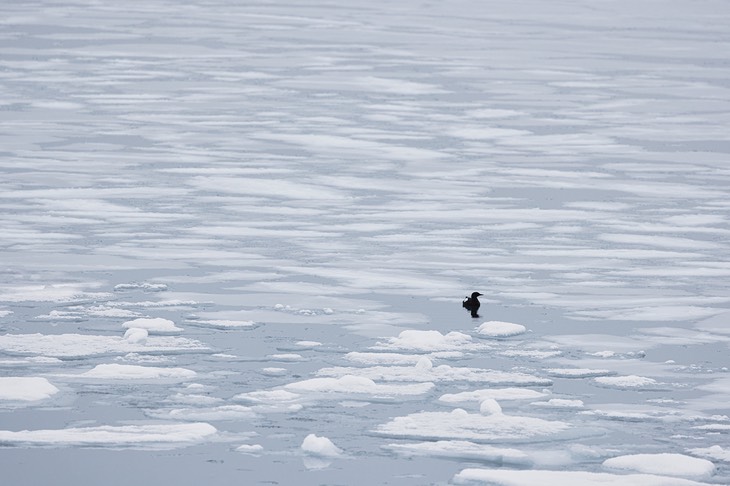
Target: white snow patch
(223, 412)
(320, 446)
(223, 324)
(273, 371)
(153, 325)
(156, 436)
(144, 286)
(677, 465)
(253, 449)
(505, 477)
(26, 389)
(500, 329)
(490, 406)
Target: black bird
(472, 304)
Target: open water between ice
(235, 238)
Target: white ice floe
(430, 341)
(116, 371)
(716, 453)
(273, 371)
(358, 385)
(64, 292)
(253, 449)
(81, 345)
(505, 477)
(421, 372)
(676, 465)
(463, 450)
(500, 329)
(136, 335)
(462, 425)
(149, 436)
(144, 286)
(369, 358)
(156, 325)
(222, 412)
(627, 382)
(223, 324)
(530, 353)
(320, 446)
(495, 393)
(577, 372)
(26, 389)
(490, 406)
(559, 403)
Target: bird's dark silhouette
(472, 304)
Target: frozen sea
(235, 237)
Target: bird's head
(474, 295)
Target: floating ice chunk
(461, 425)
(153, 325)
(429, 341)
(274, 371)
(494, 393)
(193, 399)
(490, 406)
(144, 286)
(424, 364)
(80, 345)
(559, 403)
(677, 465)
(442, 373)
(157, 436)
(383, 358)
(252, 449)
(716, 453)
(223, 412)
(630, 382)
(461, 449)
(500, 329)
(577, 372)
(5, 313)
(134, 372)
(530, 353)
(349, 384)
(136, 335)
(505, 477)
(308, 344)
(224, 324)
(66, 292)
(286, 357)
(268, 396)
(320, 446)
(26, 389)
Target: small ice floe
(506, 477)
(82, 345)
(530, 353)
(286, 357)
(499, 329)
(251, 449)
(26, 389)
(136, 335)
(272, 401)
(135, 373)
(155, 325)
(490, 406)
(212, 414)
(463, 450)
(716, 453)
(494, 393)
(224, 324)
(143, 286)
(421, 372)
(153, 436)
(320, 446)
(675, 465)
(399, 359)
(358, 386)
(577, 372)
(272, 371)
(630, 382)
(65, 292)
(559, 403)
(462, 425)
(430, 341)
